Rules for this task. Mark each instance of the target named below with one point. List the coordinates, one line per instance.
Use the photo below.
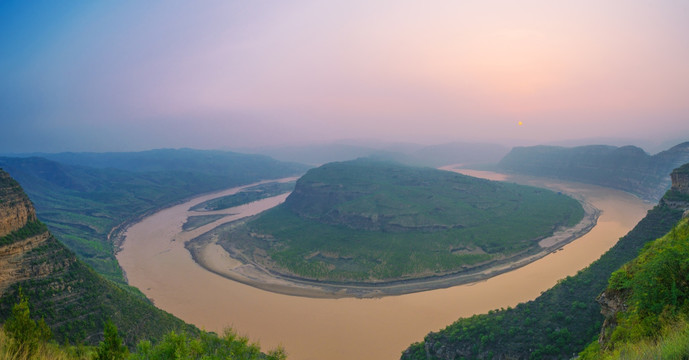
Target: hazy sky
(133, 75)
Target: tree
(26, 333)
(111, 348)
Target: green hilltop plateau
(373, 221)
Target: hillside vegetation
(81, 202)
(650, 303)
(556, 325)
(627, 168)
(368, 220)
(21, 337)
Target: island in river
(366, 228)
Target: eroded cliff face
(678, 196)
(18, 260)
(611, 303)
(15, 208)
(680, 180)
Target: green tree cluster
(207, 347)
(24, 338)
(655, 289)
(26, 333)
(112, 346)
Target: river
(155, 261)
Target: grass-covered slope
(650, 303)
(556, 325)
(82, 204)
(73, 299)
(627, 168)
(367, 220)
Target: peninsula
(368, 228)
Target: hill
(372, 221)
(646, 303)
(627, 168)
(559, 323)
(85, 200)
(73, 299)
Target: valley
(157, 262)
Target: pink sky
(224, 74)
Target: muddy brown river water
(155, 260)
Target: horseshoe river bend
(156, 261)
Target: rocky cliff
(611, 303)
(19, 235)
(680, 179)
(15, 208)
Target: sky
(136, 75)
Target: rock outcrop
(678, 195)
(680, 179)
(15, 208)
(16, 212)
(16, 266)
(611, 302)
(18, 261)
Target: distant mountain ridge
(407, 153)
(213, 162)
(627, 168)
